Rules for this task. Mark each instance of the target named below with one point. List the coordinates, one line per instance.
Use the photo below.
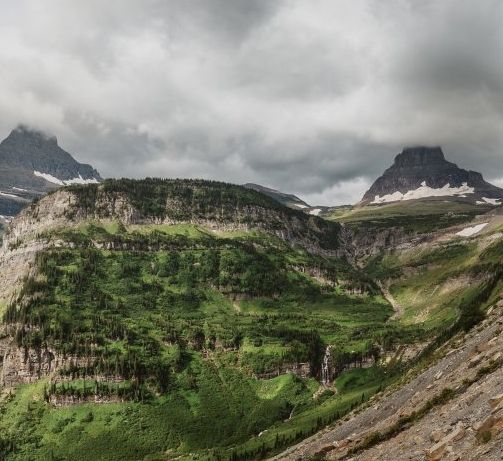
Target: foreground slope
(452, 410)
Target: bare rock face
(32, 164)
(423, 172)
(24, 366)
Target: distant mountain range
(294, 202)
(32, 164)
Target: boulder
(438, 450)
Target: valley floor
(459, 400)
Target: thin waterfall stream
(326, 373)
(327, 368)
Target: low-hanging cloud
(312, 98)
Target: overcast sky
(310, 97)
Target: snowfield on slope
(490, 201)
(66, 182)
(425, 191)
(8, 195)
(469, 231)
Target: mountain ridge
(209, 320)
(290, 200)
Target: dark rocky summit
(32, 164)
(423, 173)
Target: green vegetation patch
(416, 216)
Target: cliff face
(423, 172)
(362, 242)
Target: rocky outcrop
(423, 172)
(27, 365)
(302, 370)
(362, 242)
(24, 366)
(23, 240)
(32, 164)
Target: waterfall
(326, 367)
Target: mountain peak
(424, 173)
(32, 164)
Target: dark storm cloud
(316, 158)
(312, 98)
(228, 20)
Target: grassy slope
(433, 280)
(419, 216)
(430, 280)
(156, 308)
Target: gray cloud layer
(313, 98)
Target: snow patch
(425, 191)
(3, 194)
(315, 212)
(66, 182)
(81, 180)
(7, 218)
(49, 178)
(299, 205)
(469, 231)
(490, 201)
(18, 188)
